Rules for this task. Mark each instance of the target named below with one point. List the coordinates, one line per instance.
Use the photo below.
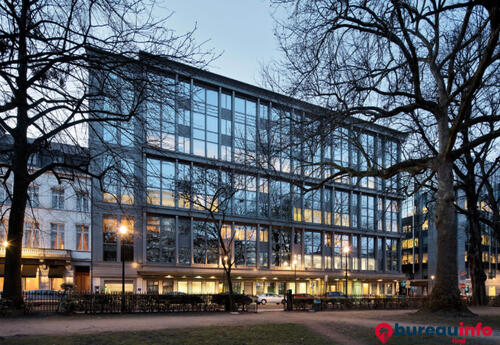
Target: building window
(391, 158)
(339, 258)
(366, 157)
(391, 215)
(4, 225)
(109, 232)
(245, 238)
(184, 246)
(367, 253)
(327, 250)
(205, 243)
(119, 181)
(33, 199)
(57, 236)
(160, 239)
(280, 199)
(263, 247)
(367, 212)
(312, 249)
(58, 198)
(355, 252)
(82, 238)
(5, 193)
(340, 149)
(31, 237)
(391, 255)
(341, 209)
(312, 206)
(245, 197)
(82, 202)
(281, 247)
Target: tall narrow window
(263, 247)
(57, 236)
(31, 237)
(5, 193)
(82, 238)
(82, 202)
(33, 199)
(109, 232)
(4, 225)
(341, 208)
(58, 198)
(184, 241)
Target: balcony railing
(41, 253)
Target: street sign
(462, 286)
(463, 273)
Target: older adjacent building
(284, 237)
(56, 240)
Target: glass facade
(279, 217)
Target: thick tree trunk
(230, 287)
(474, 257)
(445, 296)
(12, 288)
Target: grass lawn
(253, 334)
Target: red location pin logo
(383, 332)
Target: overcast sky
(241, 30)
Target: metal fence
(86, 303)
(359, 303)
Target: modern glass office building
(285, 236)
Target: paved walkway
(326, 323)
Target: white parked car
(270, 298)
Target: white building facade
(56, 240)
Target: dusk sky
(242, 30)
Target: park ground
(266, 327)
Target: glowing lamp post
(5, 244)
(123, 232)
(346, 252)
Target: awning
(29, 271)
(56, 271)
(2, 270)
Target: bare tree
(417, 67)
(47, 49)
(213, 193)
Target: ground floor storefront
(50, 270)
(107, 278)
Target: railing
(86, 303)
(40, 253)
(355, 303)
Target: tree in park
(422, 67)
(47, 49)
(476, 175)
(213, 194)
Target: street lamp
(346, 252)
(123, 232)
(432, 282)
(294, 263)
(5, 244)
